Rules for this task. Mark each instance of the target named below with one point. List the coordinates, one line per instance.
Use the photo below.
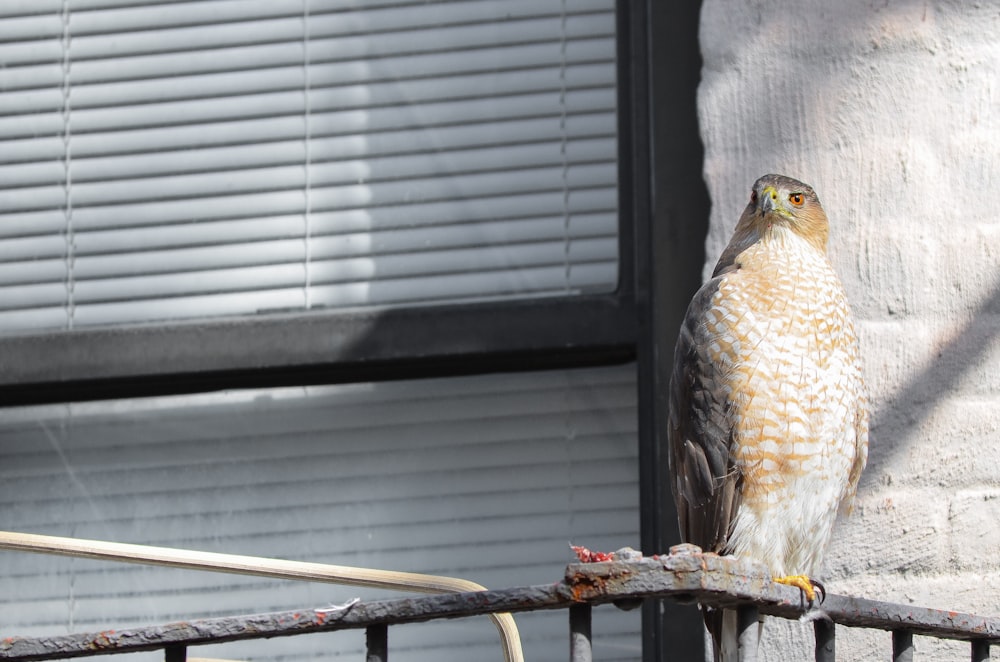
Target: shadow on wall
(910, 406)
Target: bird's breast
(783, 352)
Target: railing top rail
(686, 575)
(261, 567)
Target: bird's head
(777, 201)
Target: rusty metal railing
(261, 567)
(684, 574)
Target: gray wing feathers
(700, 436)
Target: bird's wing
(705, 482)
(860, 452)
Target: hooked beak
(768, 200)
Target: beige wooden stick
(261, 567)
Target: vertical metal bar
(377, 642)
(980, 650)
(902, 646)
(825, 632)
(580, 646)
(748, 627)
(175, 653)
(664, 208)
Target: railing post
(748, 627)
(377, 642)
(175, 654)
(580, 645)
(825, 632)
(902, 646)
(980, 650)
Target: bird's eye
(753, 197)
(796, 199)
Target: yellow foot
(803, 583)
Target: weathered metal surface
(825, 633)
(902, 646)
(377, 643)
(727, 582)
(859, 612)
(580, 644)
(278, 624)
(980, 651)
(175, 654)
(748, 627)
(698, 577)
(261, 567)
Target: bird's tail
(723, 625)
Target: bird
(768, 409)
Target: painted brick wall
(891, 110)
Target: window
(202, 159)
(486, 478)
(242, 241)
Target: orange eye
(796, 199)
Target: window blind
(485, 478)
(171, 160)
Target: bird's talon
(822, 590)
(805, 584)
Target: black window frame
(663, 217)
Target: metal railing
(685, 574)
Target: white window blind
(170, 160)
(486, 478)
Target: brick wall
(891, 110)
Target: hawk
(768, 422)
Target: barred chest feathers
(778, 337)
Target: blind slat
(374, 56)
(116, 139)
(440, 164)
(216, 247)
(325, 271)
(412, 290)
(454, 187)
(480, 477)
(218, 158)
(433, 140)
